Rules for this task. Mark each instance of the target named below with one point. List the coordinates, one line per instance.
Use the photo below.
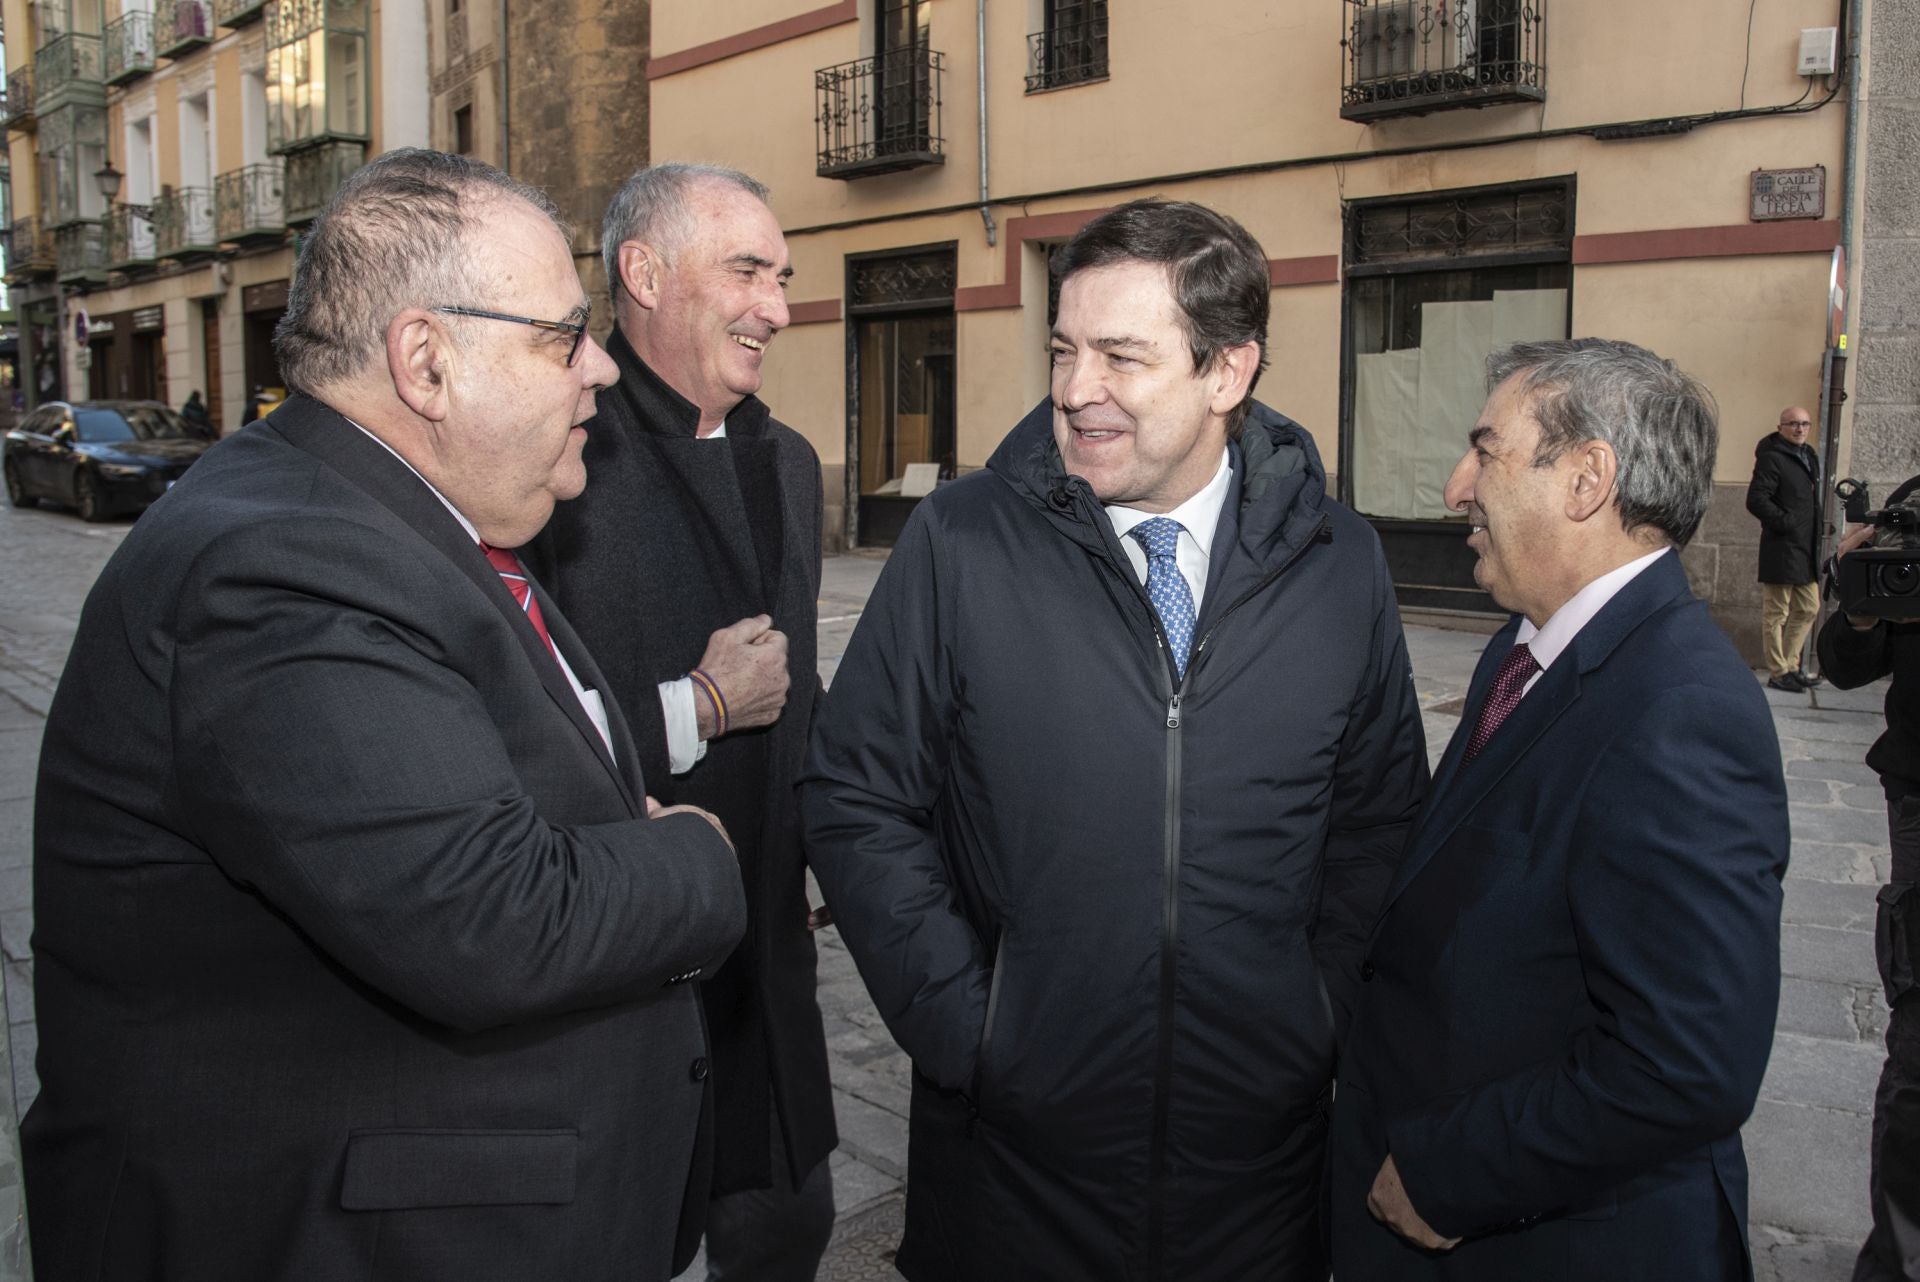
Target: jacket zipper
(1170, 908)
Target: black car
(100, 457)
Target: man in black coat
(691, 567)
(359, 956)
(1785, 495)
(1856, 650)
(1110, 783)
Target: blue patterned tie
(1166, 586)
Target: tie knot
(502, 559)
(1518, 665)
(1159, 535)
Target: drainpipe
(1834, 369)
(506, 128)
(980, 61)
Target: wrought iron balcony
(16, 99)
(238, 13)
(80, 251)
(315, 173)
(129, 46)
(1410, 57)
(1070, 54)
(182, 25)
(183, 224)
(130, 238)
(250, 203)
(879, 115)
(66, 69)
(30, 252)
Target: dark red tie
(515, 577)
(1509, 681)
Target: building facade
(554, 94)
(1431, 178)
(165, 155)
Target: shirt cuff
(685, 747)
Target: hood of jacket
(1281, 483)
(1774, 443)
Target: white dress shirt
(1550, 642)
(590, 701)
(1199, 516)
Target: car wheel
(17, 488)
(87, 499)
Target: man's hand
(1856, 538)
(1390, 1205)
(820, 918)
(657, 811)
(748, 661)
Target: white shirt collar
(1547, 643)
(465, 524)
(1199, 515)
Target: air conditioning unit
(1409, 37)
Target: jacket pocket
(978, 1082)
(396, 1170)
(1896, 938)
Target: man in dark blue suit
(1570, 995)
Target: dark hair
(1217, 271)
(394, 236)
(1661, 422)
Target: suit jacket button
(1366, 971)
(698, 1071)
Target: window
(463, 130)
(1435, 286)
(1072, 47)
(316, 72)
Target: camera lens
(1898, 578)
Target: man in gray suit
(360, 954)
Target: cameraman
(1856, 649)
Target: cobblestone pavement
(1807, 1140)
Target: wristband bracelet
(707, 684)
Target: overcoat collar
(646, 399)
(327, 435)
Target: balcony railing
(130, 238)
(238, 13)
(66, 69)
(30, 252)
(1070, 54)
(16, 99)
(182, 25)
(1410, 57)
(315, 173)
(80, 250)
(878, 115)
(250, 202)
(183, 223)
(129, 46)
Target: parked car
(98, 457)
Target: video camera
(1881, 579)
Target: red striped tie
(515, 577)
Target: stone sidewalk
(1807, 1139)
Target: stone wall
(1885, 409)
(1723, 564)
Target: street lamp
(107, 179)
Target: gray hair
(394, 236)
(651, 206)
(1662, 423)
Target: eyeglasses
(576, 328)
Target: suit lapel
(360, 458)
(1460, 787)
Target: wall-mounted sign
(148, 318)
(270, 296)
(1789, 193)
